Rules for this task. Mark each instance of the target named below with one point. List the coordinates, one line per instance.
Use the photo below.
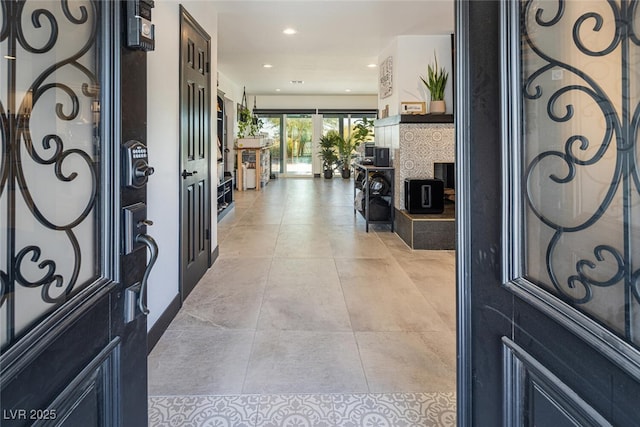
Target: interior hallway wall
(410, 56)
(163, 130)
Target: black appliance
(368, 149)
(381, 157)
(445, 172)
(424, 196)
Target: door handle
(135, 295)
(151, 244)
(135, 236)
(185, 174)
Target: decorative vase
(328, 174)
(437, 107)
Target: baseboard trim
(214, 255)
(163, 322)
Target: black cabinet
(373, 192)
(225, 197)
(225, 180)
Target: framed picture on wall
(386, 78)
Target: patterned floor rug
(302, 410)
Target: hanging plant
(248, 124)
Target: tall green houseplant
(363, 130)
(328, 152)
(346, 152)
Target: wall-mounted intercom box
(140, 30)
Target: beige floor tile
(366, 271)
(402, 362)
(303, 216)
(381, 308)
(233, 271)
(304, 295)
(380, 297)
(304, 362)
(314, 272)
(351, 242)
(443, 344)
(231, 218)
(203, 361)
(303, 300)
(262, 215)
(228, 296)
(250, 241)
(302, 241)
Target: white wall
(393, 100)
(313, 101)
(163, 135)
(411, 56)
(233, 95)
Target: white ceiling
(336, 40)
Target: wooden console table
(259, 171)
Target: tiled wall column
(421, 145)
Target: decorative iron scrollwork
(619, 114)
(72, 77)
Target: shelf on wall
(415, 118)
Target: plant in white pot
(436, 82)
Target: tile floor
(303, 304)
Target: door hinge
(207, 234)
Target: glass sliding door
(344, 123)
(297, 145)
(330, 123)
(292, 133)
(272, 126)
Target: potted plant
(363, 130)
(346, 151)
(436, 82)
(328, 154)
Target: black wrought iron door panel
(580, 66)
(50, 167)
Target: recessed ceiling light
(277, 90)
(289, 31)
(347, 90)
(372, 65)
(297, 82)
(267, 66)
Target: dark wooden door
(548, 267)
(195, 137)
(69, 357)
